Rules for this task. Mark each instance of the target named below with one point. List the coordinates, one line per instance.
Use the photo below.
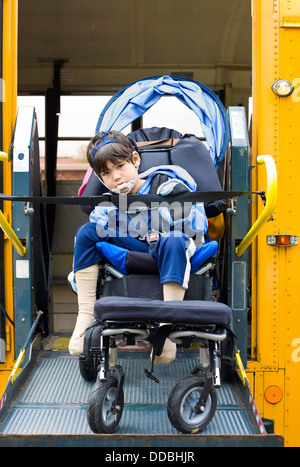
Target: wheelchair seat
(137, 309)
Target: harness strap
(121, 200)
(157, 338)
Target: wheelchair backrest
(164, 146)
(171, 148)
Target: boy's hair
(114, 152)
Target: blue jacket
(193, 222)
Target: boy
(115, 161)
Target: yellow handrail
(15, 370)
(269, 207)
(5, 226)
(240, 367)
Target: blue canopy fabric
(134, 100)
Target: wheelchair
(131, 306)
(126, 312)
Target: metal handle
(269, 206)
(7, 229)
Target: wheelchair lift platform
(47, 407)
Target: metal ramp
(50, 407)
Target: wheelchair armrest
(204, 268)
(112, 270)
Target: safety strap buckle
(152, 238)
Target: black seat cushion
(145, 309)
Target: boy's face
(122, 172)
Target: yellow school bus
(273, 361)
(8, 115)
(274, 366)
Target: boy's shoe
(72, 282)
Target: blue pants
(170, 251)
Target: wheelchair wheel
(87, 369)
(103, 414)
(182, 402)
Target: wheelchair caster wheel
(103, 412)
(183, 408)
